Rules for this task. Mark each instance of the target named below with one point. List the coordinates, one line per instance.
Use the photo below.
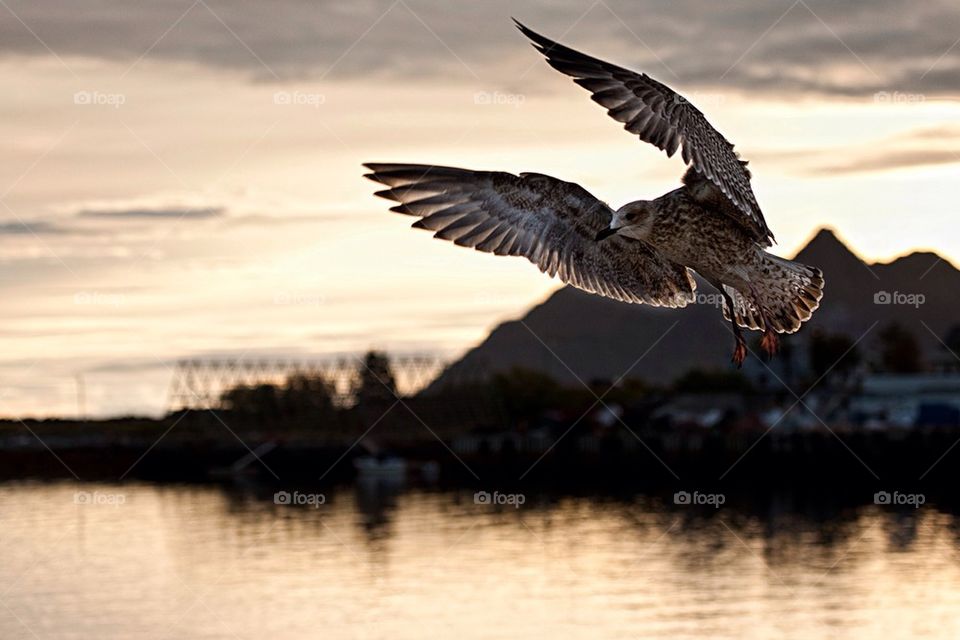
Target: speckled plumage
(644, 251)
(550, 222)
(727, 256)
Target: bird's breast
(705, 240)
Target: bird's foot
(769, 343)
(739, 352)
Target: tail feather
(787, 291)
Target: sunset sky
(182, 178)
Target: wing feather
(550, 222)
(664, 118)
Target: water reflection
(377, 561)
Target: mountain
(574, 334)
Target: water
(132, 561)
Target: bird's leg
(740, 349)
(769, 342)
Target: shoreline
(647, 457)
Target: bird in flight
(644, 251)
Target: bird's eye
(630, 216)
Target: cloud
(847, 48)
(889, 160)
(255, 219)
(912, 148)
(31, 228)
(150, 213)
(35, 227)
(940, 133)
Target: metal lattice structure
(201, 383)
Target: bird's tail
(787, 291)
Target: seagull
(644, 252)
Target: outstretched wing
(552, 223)
(660, 116)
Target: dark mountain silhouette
(578, 335)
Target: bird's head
(633, 220)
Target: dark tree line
(313, 396)
(523, 395)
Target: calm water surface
(142, 561)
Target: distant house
(908, 400)
(700, 409)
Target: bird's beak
(606, 233)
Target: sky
(182, 179)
